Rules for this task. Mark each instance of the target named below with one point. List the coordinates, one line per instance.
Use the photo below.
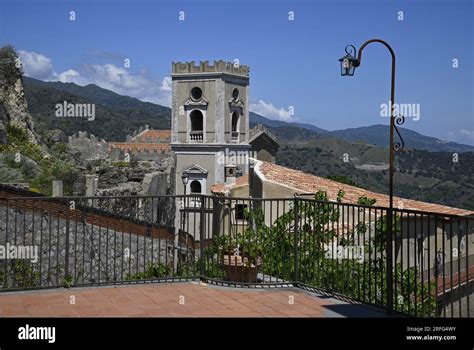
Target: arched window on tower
(196, 187)
(235, 126)
(197, 122)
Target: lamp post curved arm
(359, 56)
(348, 65)
(394, 119)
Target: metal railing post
(202, 228)
(296, 235)
(66, 258)
(389, 254)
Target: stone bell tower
(210, 123)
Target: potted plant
(243, 262)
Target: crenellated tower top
(220, 66)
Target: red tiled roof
(221, 188)
(307, 183)
(162, 134)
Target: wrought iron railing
(330, 247)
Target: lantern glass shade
(348, 65)
(185, 179)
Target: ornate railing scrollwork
(398, 145)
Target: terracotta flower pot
(239, 269)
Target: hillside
(380, 135)
(127, 113)
(26, 157)
(258, 119)
(103, 97)
(116, 115)
(422, 175)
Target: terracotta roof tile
(162, 134)
(307, 183)
(221, 188)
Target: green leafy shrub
(152, 271)
(21, 274)
(277, 246)
(121, 164)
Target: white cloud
(467, 133)
(36, 65)
(270, 111)
(166, 84)
(120, 80)
(108, 76)
(68, 76)
(165, 92)
(464, 136)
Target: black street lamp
(349, 62)
(185, 180)
(348, 65)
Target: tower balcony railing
(234, 136)
(196, 136)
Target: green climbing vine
(305, 234)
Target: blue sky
(293, 63)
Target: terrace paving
(188, 299)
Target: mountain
(116, 116)
(380, 135)
(100, 96)
(259, 119)
(124, 114)
(375, 134)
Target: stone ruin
(88, 146)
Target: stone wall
(88, 146)
(96, 254)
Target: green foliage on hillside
(343, 179)
(113, 121)
(420, 175)
(9, 67)
(34, 167)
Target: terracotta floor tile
(87, 311)
(110, 311)
(163, 300)
(133, 311)
(14, 311)
(10, 299)
(154, 310)
(39, 311)
(62, 311)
